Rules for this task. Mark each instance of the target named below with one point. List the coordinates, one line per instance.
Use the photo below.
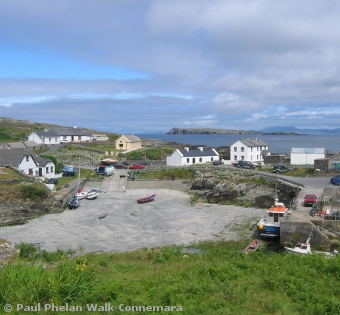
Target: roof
(198, 152)
(66, 131)
(132, 138)
(16, 145)
(14, 157)
(31, 144)
(256, 142)
(309, 150)
(47, 134)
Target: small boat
(81, 195)
(146, 199)
(108, 161)
(252, 247)
(92, 194)
(74, 203)
(304, 249)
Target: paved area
(115, 222)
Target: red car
(120, 165)
(308, 200)
(136, 167)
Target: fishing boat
(92, 194)
(252, 247)
(269, 225)
(146, 199)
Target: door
(193, 160)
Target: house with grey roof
(306, 156)
(248, 150)
(128, 142)
(56, 134)
(28, 162)
(192, 156)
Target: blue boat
(269, 225)
(74, 203)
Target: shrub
(33, 192)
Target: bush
(33, 192)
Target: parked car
(69, 171)
(308, 200)
(217, 162)
(145, 163)
(245, 164)
(52, 181)
(281, 168)
(136, 167)
(101, 170)
(335, 180)
(120, 166)
(63, 141)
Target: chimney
(186, 149)
(200, 148)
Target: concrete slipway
(115, 222)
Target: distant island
(210, 131)
(276, 130)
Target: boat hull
(270, 231)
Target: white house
(56, 134)
(100, 137)
(248, 150)
(28, 162)
(192, 156)
(306, 156)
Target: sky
(146, 66)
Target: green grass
(217, 279)
(178, 173)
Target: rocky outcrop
(243, 194)
(18, 212)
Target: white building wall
(248, 154)
(305, 158)
(175, 159)
(34, 137)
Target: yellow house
(128, 142)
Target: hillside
(15, 130)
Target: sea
(276, 143)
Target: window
(235, 157)
(242, 157)
(242, 149)
(211, 159)
(200, 159)
(46, 170)
(258, 149)
(27, 158)
(188, 160)
(257, 156)
(51, 169)
(251, 149)
(235, 149)
(55, 139)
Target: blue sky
(146, 66)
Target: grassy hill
(16, 130)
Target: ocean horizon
(276, 143)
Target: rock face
(18, 212)
(245, 194)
